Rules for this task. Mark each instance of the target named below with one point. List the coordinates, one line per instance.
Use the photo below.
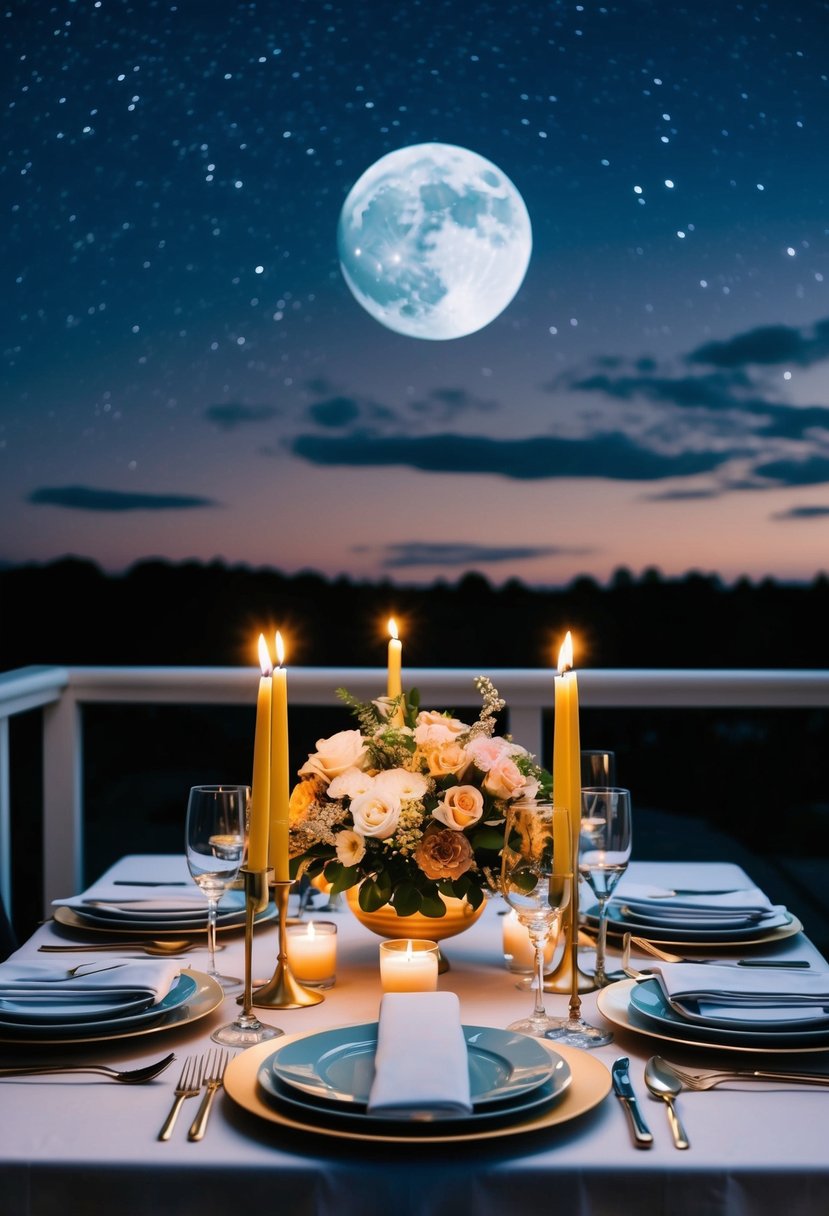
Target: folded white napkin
(707, 992)
(121, 897)
(421, 1068)
(45, 991)
(750, 901)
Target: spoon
(663, 1084)
(157, 947)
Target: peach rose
(302, 796)
(505, 780)
(444, 854)
(460, 807)
(445, 760)
(433, 728)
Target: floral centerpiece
(410, 806)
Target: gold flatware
(130, 1076)
(707, 1078)
(648, 947)
(189, 1086)
(213, 1078)
(664, 1084)
(153, 946)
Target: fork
(642, 943)
(707, 1078)
(189, 1084)
(213, 1078)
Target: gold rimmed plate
(697, 940)
(589, 1086)
(72, 918)
(206, 997)
(615, 1006)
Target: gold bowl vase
(385, 922)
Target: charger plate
(614, 1005)
(207, 996)
(590, 1085)
(71, 918)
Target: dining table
(84, 1145)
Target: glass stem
(600, 979)
(539, 940)
(212, 907)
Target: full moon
(434, 241)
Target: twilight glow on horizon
(631, 304)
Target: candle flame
(565, 655)
(280, 649)
(409, 952)
(393, 628)
(311, 930)
(264, 657)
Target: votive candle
(312, 952)
(409, 965)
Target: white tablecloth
(85, 1145)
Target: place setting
(45, 1003)
(723, 1004)
(417, 1075)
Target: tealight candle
(312, 953)
(409, 966)
(519, 954)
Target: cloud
(336, 411)
(611, 456)
(84, 498)
(231, 415)
(803, 513)
(712, 391)
(683, 495)
(768, 344)
(465, 553)
(811, 472)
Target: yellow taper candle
(394, 683)
(280, 769)
(260, 786)
(566, 741)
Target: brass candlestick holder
(282, 990)
(566, 977)
(246, 1030)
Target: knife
(623, 1089)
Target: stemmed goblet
(215, 847)
(605, 836)
(537, 880)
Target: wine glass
(215, 846)
(536, 880)
(604, 853)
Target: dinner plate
(590, 1085)
(182, 991)
(338, 1065)
(665, 935)
(615, 1005)
(306, 1106)
(208, 995)
(73, 918)
(648, 999)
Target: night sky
(186, 374)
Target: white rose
(351, 847)
(487, 752)
(333, 756)
(399, 785)
(350, 784)
(374, 815)
(460, 807)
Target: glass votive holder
(409, 965)
(519, 955)
(312, 953)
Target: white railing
(62, 692)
